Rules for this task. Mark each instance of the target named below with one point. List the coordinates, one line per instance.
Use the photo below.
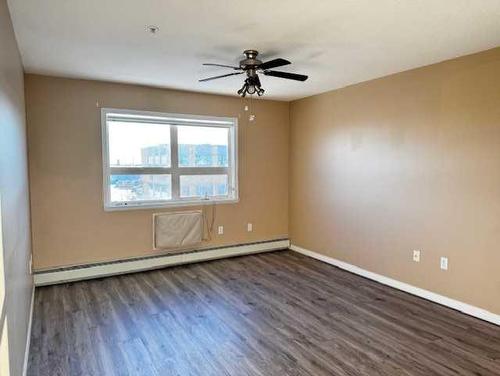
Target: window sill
(166, 205)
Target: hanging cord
(247, 106)
(251, 115)
(209, 226)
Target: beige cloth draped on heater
(177, 230)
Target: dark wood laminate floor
(278, 313)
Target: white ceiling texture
(335, 42)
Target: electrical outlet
(220, 230)
(444, 263)
(416, 255)
(249, 227)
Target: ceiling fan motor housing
(251, 60)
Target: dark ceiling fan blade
(224, 75)
(221, 65)
(290, 76)
(274, 64)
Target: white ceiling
(335, 42)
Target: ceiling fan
(252, 67)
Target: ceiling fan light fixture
(243, 91)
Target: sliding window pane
(138, 144)
(203, 146)
(203, 185)
(140, 187)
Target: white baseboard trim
(28, 335)
(429, 295)
(63, 275)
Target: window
(153, 160)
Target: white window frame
(174, 170)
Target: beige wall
(14, 201)
(409, 161)
(68, 220)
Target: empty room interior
(249, 188)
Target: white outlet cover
(220, 230)
(416, 255)
(249, 227)
(444, 263)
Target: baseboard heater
(104, 269)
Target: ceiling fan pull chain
(251, 117)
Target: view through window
(159, 160)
